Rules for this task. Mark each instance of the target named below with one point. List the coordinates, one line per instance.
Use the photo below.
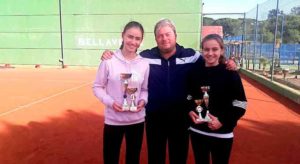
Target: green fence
(30, 29)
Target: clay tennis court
(50, 116)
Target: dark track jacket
(227, 99)
(167, 86)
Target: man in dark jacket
(166, 111)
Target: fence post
(281, 38)
(274, 44)
(255, 38)
(61, 38)
(243, 41)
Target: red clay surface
(50, 116)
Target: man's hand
(230, 65)
(107, 54)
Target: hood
(118, 54)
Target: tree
(290, 33)
(271, 21)
(263, 61)
(272, 14)
(292, 29)
(231, 27)
(207, 21)
(295, 11)
(265, 35)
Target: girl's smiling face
(132, 39)
(212, 51)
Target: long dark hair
(219, 39)
(130, 25)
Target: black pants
(205, 147)
(112, 141)
(166, 129)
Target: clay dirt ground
(50, 116)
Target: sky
(229, 6)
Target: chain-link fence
(272, 37)
(265, 39)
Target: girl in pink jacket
(122, 86)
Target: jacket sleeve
(193, 87)
(239, 102)
(200, 60)
(100, 84)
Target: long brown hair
(130, 25)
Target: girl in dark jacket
(218, 101)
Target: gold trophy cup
(199, 109)
(125, 77)
(205, 90)
(131, 92)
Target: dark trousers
(112, 141)
(205, 147)
(163, 130)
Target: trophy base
(133, 109)
(125, 108)
(207, 118)
(203, 120)
(199, 119)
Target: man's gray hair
(163, 23)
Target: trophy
(124, 77)
(205, 89)
(131, 92)
(199, 109)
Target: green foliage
(207, 21)
(277, 70)
(290, 22)
(272, 13)
(263, 61)
(231, 27)
(292, 29)
(295, 10)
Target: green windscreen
(30, 29)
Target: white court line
(42, 100)
(65, 81)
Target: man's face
(165, 39)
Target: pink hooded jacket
(108, 87)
